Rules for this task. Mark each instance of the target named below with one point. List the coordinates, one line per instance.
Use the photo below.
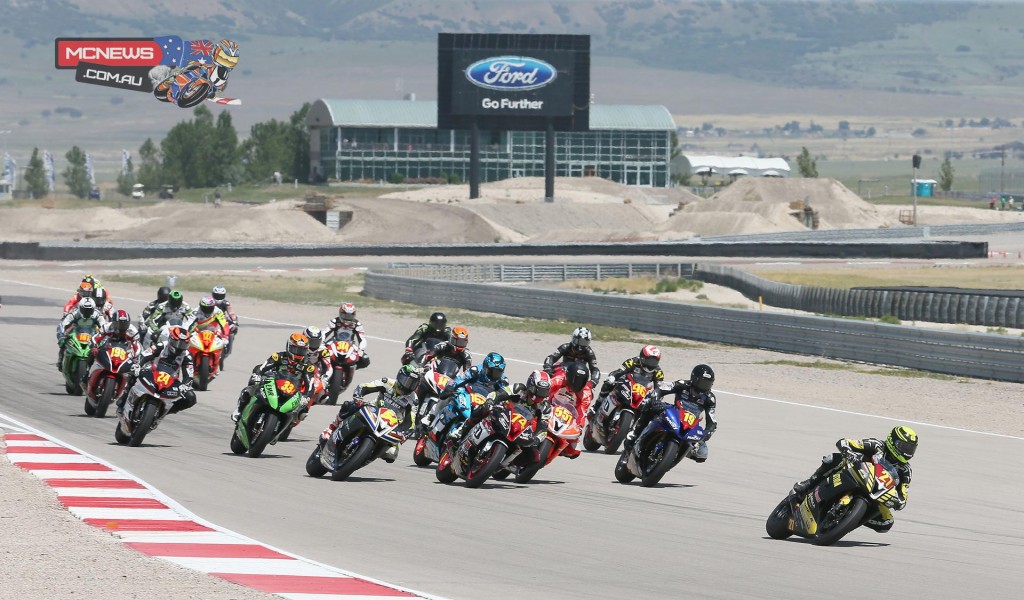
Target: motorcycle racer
(292, 360)
(490, 375)
(162, 295)
(693, 394)
(647, 362)
(402, 387)
(85, 290)
(173, 352)
(536, 394)
(175, 307)
(120, 328)
(576, 382)
(435, 328)
(576, 349)
(897, 448)
(320, 358)
(85, 316)
(346, 321)
(209, 316)
(220, 296)
(456, 349)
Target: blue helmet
(493, 366)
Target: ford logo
(511, 73)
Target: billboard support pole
(549, 162)
(474, 162)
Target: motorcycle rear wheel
(103, 402)
(527, 473)
(847, 523)
(668, 458)
(259, 442)
(622, 473)
(355, 460)
(119, 436)
(445, 473)
(589, 444)
(315, 468)
(90, 410)
(776, 525)
(149, 411)
(476, 478)
(336, 385)
(614, 441)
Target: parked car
(138, 191)
(94, 194)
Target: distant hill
(799, 59)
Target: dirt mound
(386, 220)
(763, 204)
(531, 189)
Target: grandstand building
(396, 140)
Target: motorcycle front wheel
(204, 373)
(589, 443)
(149, 411)
(103, 402)
(485, 466)
(315, 468)
(665, 462)
(355, 460)
(527, 473)
(622, 473)
(259, 441)
(776, 525)
(848, 521)
(615, 439)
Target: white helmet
(87, 306)
(581, 337)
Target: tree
(35, 176)
(75, 175)
(150, 166)
(807, 165)
(126, 179)
(844, 126)
(278, 146)
(946, 172)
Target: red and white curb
(145, 519)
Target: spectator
(216, 198)
(1002, 202)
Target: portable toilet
(925, 187)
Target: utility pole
(1002, 170)
(913, 184)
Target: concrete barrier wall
(987, 356)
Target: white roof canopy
(728, 164)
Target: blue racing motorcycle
(667, 439)
(431, 444)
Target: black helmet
(702, 377)
(175, 299)
(163, 294)
(577, 376)
(438, 321)
(901, 444)
(408, 379)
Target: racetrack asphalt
(574, 532)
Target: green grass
(330, 291)
(886, 371)
(634, 285)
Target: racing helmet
(206, 306)
(316, 337)
(901, 444)
(581, 337)
(650, 357)
(460, 337)
(297, 347)
(347, 311)
(438, 322)
(226, 54)
(538, 384)
(85, 290)
(177, 339)
(121, 321)
(219, 293)
(163, 294)
(577, 376)
(175, 299)
(493, 366)
(408, 379)
(87, 307)
(702, 377)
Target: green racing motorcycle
(268, 414)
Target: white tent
(739, 172)
(727, 164)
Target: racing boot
(802, 487)
(391, 454)
(570, 452)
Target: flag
(200, 51)
(88, 169)
(48, 165)
(172, 49)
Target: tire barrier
(980, 355)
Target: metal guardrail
(503, 273)
(987, 356)
(832, 235)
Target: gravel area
(47, 554)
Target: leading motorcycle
(360, 439)
(839, 504)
